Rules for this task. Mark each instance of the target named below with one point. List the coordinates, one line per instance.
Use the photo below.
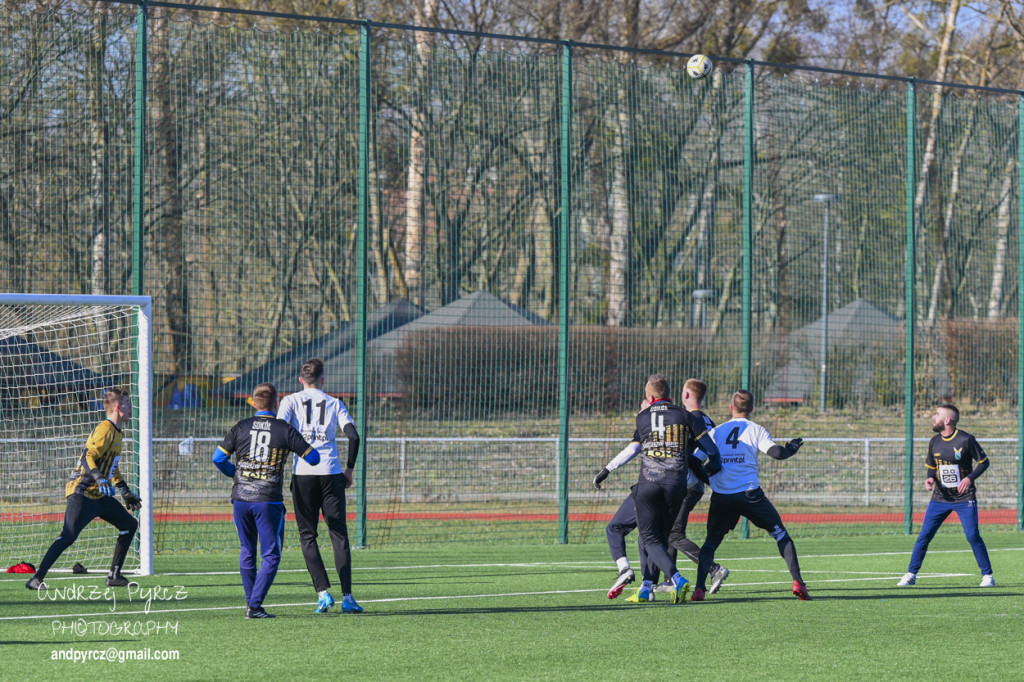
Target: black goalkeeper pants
(311, 495)
(79, 512)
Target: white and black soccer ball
(698, 66)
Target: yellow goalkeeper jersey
(102, 454)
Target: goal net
(57, 356)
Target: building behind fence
(554, 221)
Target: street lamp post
(826, 199)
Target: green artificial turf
(540, 612)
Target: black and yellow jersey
(950, 460)
(102, 455)
(260, 446)
(667, 434)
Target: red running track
(988, 516)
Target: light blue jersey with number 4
(318, 417)
(739, 441)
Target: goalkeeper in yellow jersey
(90, 493)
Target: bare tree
(166, 207)
(99, 156)
(416, 168)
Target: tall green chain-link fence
(493, 241)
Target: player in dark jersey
(261, 445)
(665, 437)
(90, 493)
(694, 391)
(624, 521)
(950, 473)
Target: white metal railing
(186, 446)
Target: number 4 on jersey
(658, 425)
(733, 439)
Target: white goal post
(58, 353)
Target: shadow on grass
(855, 594)
(481, 610)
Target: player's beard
(938, 428)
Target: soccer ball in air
(698, 66)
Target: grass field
(540, 612)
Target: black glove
(713, 465)
(601, 475)
(794, 445)
(697, 467)
(132, 502)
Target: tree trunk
(618, 214)
(706, 218)
(995, 296)
(947, 220)
(204, 263)
(99, 159)
(166, 202)
(380, 242)
(539, 220)
(415, 191)
(928, 159)
(621, 116)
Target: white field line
(571, 564)
(155, 612)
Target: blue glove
(105, 486)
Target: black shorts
(725, 510)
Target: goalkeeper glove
(601, 475)
(132, 502)
(794, 445)
(105, 486)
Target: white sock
(622, 563)
(323, 593)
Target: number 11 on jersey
(322, 405)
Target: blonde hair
(697, 388)
(113, 396)
(657, 386)
(264, 396)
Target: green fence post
(1020, 312)
(748, 236)
(139, 175)
(911, 316)
(362, 243)
(748, 219)
(565, 228)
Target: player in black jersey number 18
(261, 446)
